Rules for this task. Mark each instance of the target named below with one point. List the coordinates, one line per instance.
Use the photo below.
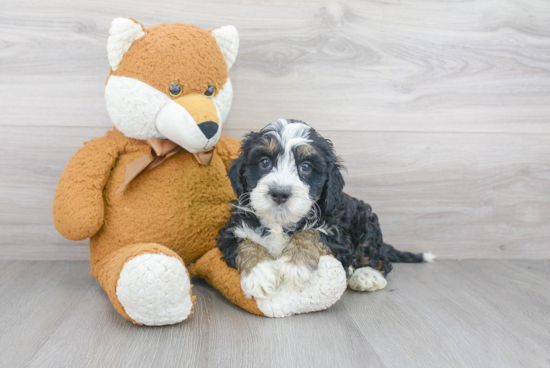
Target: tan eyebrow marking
(270, 145)
(305, 151)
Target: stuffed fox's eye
(175, 89)
(209, 91)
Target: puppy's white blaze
(428, 257)
(367, 279)
(294, 135)
(261, 281)
(289, 135)
(275, 127)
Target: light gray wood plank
(457, 195)
(468, 314)
(491, 313)
(36, 297)
(40, 243)
(218, 334)
(468, 66)
(541, 269)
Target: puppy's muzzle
(280, 195)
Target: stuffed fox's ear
(123, 32)
(228, 39)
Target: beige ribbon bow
(162, 150)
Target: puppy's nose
(280, 196)
(209, 128)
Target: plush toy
(153, 193)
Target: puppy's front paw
(294, 275)
(367, 279)
(326, 286)
(261, 281)
(300, 259)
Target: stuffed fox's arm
(78, 202)
(228, 149)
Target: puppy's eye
(265, 163)
(175, 89)
(305, 167)
(209, 91)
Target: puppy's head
(284, 170)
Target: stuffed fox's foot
(326, 286)
(147, 284)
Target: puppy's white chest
(275, 240)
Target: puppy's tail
(393, 255)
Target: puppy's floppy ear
(236, 174)
(236, 171)
(334, 185)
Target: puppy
(291, 210)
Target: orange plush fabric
(177, 208)
(214, 270)
(190, 58)
(180, 204)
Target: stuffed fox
(153, 193)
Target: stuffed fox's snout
(181, 92)
(202, 109)
(192, 121)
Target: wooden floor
(447, 314)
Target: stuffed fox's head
(170, 81)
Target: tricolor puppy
(291, 210)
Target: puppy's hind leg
(366, 279)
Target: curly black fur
(352, 232)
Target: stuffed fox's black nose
(280, 196)
(209, 128)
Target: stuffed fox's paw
(326, 286)
(155, 290)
